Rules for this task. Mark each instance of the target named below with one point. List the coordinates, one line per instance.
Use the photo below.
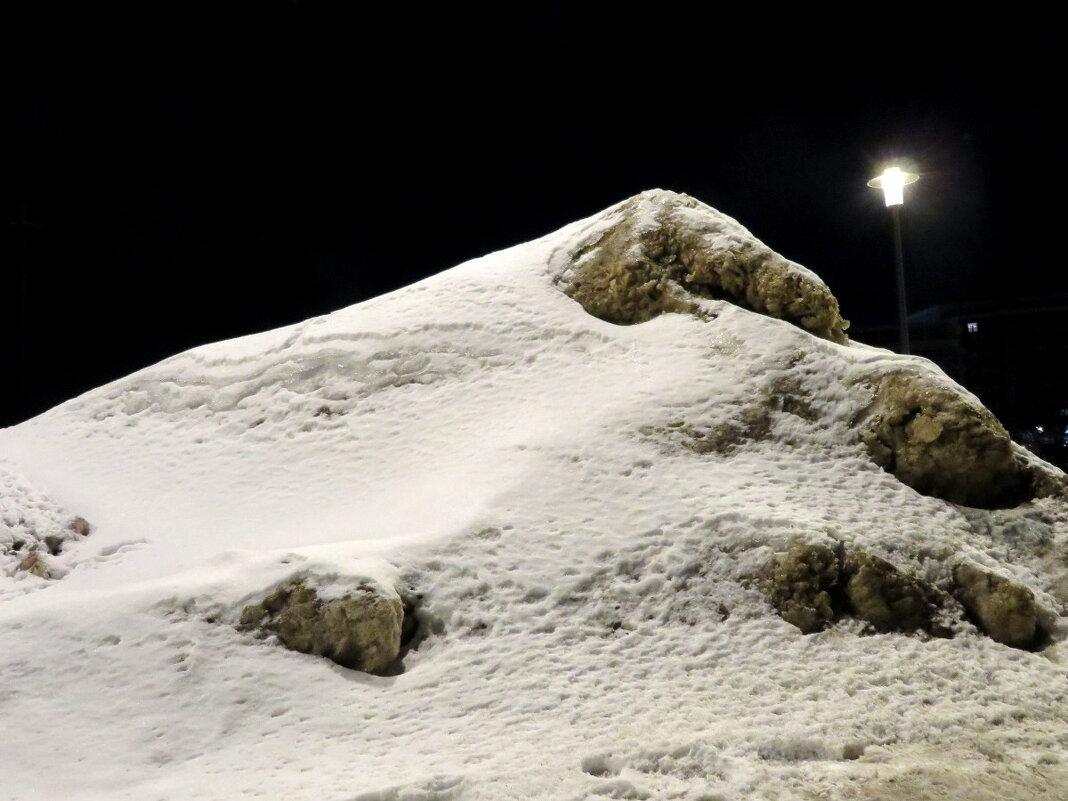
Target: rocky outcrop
(361, 630)
(1006, 611)
(667, 251)
(942, 442)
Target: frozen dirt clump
(942, 442)
(813, 585)
(1006, 611)
(668, 251)
(801, 585)
(889, 599)
(361, 630)
(35, 563)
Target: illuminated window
(973, 328)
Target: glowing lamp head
(893, 182)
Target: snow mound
(582, 517)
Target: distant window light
(1064, 412)
(973, 328)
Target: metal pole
(902, 311)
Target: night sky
(181, 173)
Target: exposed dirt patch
(668, 251)
(942, 442)
(812, 586)
(362, 630)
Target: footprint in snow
(116, 552)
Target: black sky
(197, 172)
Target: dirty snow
(594, 630)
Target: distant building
(1012, 354)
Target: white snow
(480, 438)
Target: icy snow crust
(479, 438)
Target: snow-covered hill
(589, 522)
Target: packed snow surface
(594, 626)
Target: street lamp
(893, 182)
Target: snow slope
(589, 580)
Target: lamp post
(893, 182)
